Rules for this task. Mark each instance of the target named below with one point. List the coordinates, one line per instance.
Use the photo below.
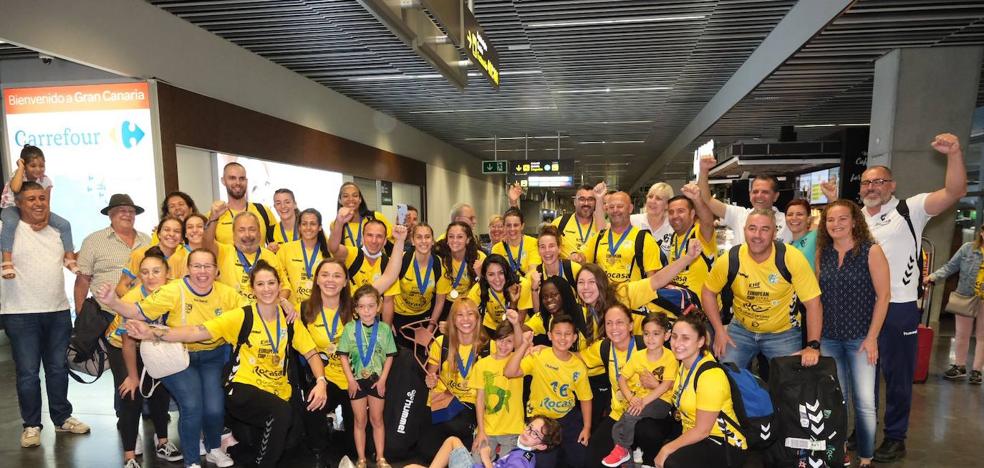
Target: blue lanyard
(284, 232)
(679, 393)
(678, 250)
(309, 265)
(613, 248)
(422, 285)
(627, 357)
(457, 278)
(365, 357)
(496, 297)
(247, 266)
(334, 324)
(515, 263)
(462, 368)
(357, 241)
(583, 236)
(275, 347)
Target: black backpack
(406, 413)
(640, 244)
(356, 265)
(811, 414)
(408, 260)
(243, 339)
(750, 398)
(566, 268)
(266, 221)
(87, 351)
(728, 295)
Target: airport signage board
(539, 167)
(97, 141)
(500, 166)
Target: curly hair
(443, 251)
(859, 232)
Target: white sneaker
(193, 465)
(131, 463)
(637, 456)
(167, 451)
(74, 426)
(31, 437)
(138, 448)
(219, 458)
(201, 448)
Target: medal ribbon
(309, 264)
(366, 357)
(496, 297)
(613, 247)
(356, 241)
(334, 324)
(515, 263)
(422, 285)
(583, 235)
(678, 250)
(679, 392)
(457, 278)
(284, 232)
(247, 266)
(627, 356)
(274, 347)
(462, 368)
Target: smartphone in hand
(401, 213)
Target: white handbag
(162, 358)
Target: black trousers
(570, 453)
(130, 409)
(650, 435)
(317, 434)
(712, 451)
(265, 420)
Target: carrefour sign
(97, 141)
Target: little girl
(644, 400)
(30, 168)
(366, 349)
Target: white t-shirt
(663, 235)
(892, 232)
(735, 216)
(40, 284)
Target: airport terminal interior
(505, 116)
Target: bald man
(624, 251)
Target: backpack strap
(601, 234)
(727, 294)
(640, 246)
(405, 267)
(606, 349)
(563, 221)
(903, 209)
(266, 220)
(781, 262)
(568, 271)
(356, 265)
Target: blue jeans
(36, 339)
(857, 380)
(11, 217)
(749, 344)
(200, 396)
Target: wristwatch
(813, 344)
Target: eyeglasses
(584, 199)
(202, 266)
(534, 432)
(875, 182)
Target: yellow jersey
(458, 381)
(412, 301)
(300, 265)
(234, 268)
(198, 308)
(467, 275)
(504, 412)
(494, 309)
(522, 258)
(714, 396)
(695, 274)
(326, 331)
(556, 383)
(177, 263)
(368, 271)
(223, 231)
(575, 234)
(616, 254)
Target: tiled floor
(946, 428)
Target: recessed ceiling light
(604, 142)
(489, 109)
(613, 21)
(544, 137)
(613, 122)
(613, 90)
(834, 125)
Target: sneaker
(617, 456)
(201, 448)
(975, 377)
(138, 448)
(131, 463)
(219, 458)
(227, 440)
(31, 437)
(74, 426)
(193, 465)
(890, 451)
(167, 451)
(955, 372)
(637, 456)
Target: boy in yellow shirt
(499, 400)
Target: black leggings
(712, 451)
(128, 418)
(268, 418)
(317, 435)
(650, 435)
(461, 426)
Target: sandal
(361, 463)
(7, 270)
(71, 265)
(381, 463)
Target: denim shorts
(460, 458)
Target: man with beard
(763, 194)
(625, 252)
(235, 261)
(577, 228)
(690, 218)
(235, 181)
(900, 237)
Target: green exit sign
(495, 167)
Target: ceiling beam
(804, 20)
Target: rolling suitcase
(925, 333)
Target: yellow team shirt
(232, 272)
(352, 231)
(223, 231)
(177, 263)
(167, 299)
(292, 256)
(326, 331)
(575, 269)
(714, 396)
(368, 272)
(466, 282)
(116, 329)
(282, 235)
(664, 368)
(495, 309)
(504, 412)
(617, 362)
(764, 302)
(575, 234)
(622, 266)
(526, 255)
(261, 364)
(458, 381)
(535, 322)
(556, 384)
(411, 301)
(695, 274)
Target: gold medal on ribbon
(276, 359)
(676, 415)
(307, 285)
(612, 259)
(366, 373)
(332, 348)
(454, 294)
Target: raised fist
(691, 191)
(345, 214)
(946, 143)
(707, 163)
(219, 208)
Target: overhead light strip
(432, 76)
(614, 90)
(605, 142)
(613, 21)
(490, 109)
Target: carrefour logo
(128, 134)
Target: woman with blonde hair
(653, 217)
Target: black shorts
(366, 388)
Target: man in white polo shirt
(763, 194)
(37, 319)
(900, 239)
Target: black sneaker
(975, 377)
(955, 372)
(852, 441)
(890, 451)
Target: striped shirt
(103, 256)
